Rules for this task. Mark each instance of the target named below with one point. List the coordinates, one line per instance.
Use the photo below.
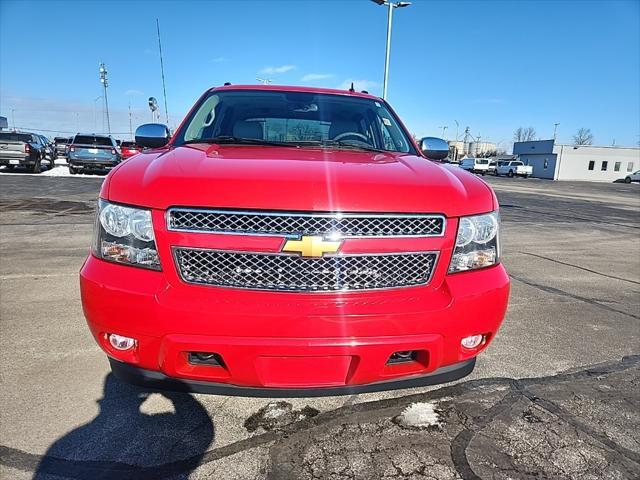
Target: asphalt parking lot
(555, 396)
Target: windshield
(294, 118)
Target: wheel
(483, 172)
(526, 175)
(495, 173)
(72, 170)
(52, 163)
(36, 167)
(627, 180)
(510, 174)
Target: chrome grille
(283, 272)
(319, 224)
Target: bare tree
(523, 134)
(583, 137)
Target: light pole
(13, 118)
(555, 131)
(95, 123)
(105, 83)
(444, 129)
(457, 128)
(391, 6)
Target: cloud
(276, 70)
(311, 77)
(219, 59)
(367, 85)
(132, 92)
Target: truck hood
(304, 179)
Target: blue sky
(492, 66)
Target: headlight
(125, 235)
(477, 243)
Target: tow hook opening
(403, 356)
(205, 358)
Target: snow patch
(419, 415)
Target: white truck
(513, 168)
(475, 165)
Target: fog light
(473, 341)
(121, 343)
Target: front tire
(510, 174)
(627, 180)
(72, 170)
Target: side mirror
(152, 135)
(434, 148)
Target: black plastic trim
(158, 381)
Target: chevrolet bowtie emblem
(311, 246)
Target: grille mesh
(348, 225)
(295, 273)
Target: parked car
(514, 168)
(93, 153)
(475, 165)
(22, 149)
(50, 151)
(129, 149)
(292, 241)
(62, 145)
(634, 177)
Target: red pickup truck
(291, 241)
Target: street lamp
(105, 83)
(555, 131)
(391, 6)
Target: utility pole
(164, 88)
(444, 129)
(457, 128)
(105, 83)
(555, 131)
(130, 125)
(95, 122)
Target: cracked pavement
(534, 407)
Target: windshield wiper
(231, 140)
(343, 144)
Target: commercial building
(578, 162)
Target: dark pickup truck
(22, 149)
(93, 153)
(62, 146)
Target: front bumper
(159, 381)
(289, 343)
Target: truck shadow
(124, 442)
